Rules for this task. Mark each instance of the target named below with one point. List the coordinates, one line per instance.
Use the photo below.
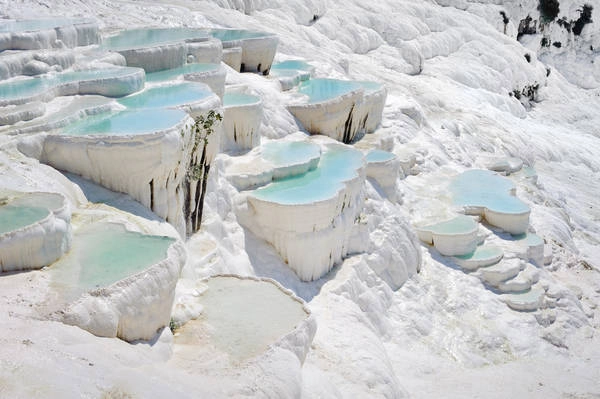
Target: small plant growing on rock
(202, 128)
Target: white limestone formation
(457, 236)
(134, 308)
(297, 216)
(241, 121)
(40, 240)
(47, 33)
(258, 49)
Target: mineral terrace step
(527, 300)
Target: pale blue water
(171, 74)
(295, 65)
(129, 122)
(484, 188)
(483, 252)
(319, 90)
(139, 38)
(32, 86)
(282, 153)
(104, 253)
(23, 88)
(338, 164)
(15, 217)
(459, 225)
(379, 156)
(227, 35)
(167, 96)
(239, 99)
(530, 239)
(370, 87)
(27, 25)
(49, 201)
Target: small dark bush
(557, 44)
(505, 19)
(548, 10)
(528, 57)
(585, 17)
(526, 27)
(545, 42)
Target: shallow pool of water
(484, 188)
(282, 153)
(243, 317)
(233, 99)
(294, 65)
(337, 164)
(319, 90)
(174, 73)
(459, 225)
(29, 25)
(167, 96)
(128, 122)
(379, 156)
(14, 217)
(139, 38)
(105, 253)
(226, 35)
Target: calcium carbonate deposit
(299, 199)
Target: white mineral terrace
(242, 318)
(118, 283)
(315, 210)
(291, 72)
(32, 34)
(108, 82)
(272, 161)
(482, 192)
(133, 151)
(457, 236)
(160, 49)
(338, 108)
(258, 48)
(241, 121)
(384, 168)
(35, 230)
(211, 74)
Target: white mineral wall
(232, 56)
(337, 118)
(208, 51)
(17, 63)
(150, 168)
(36, 245)
(371, 110)
(81, 34)
(241, 125)
(214, 79)
(258, 54)
(386, 175)
(135, 308)
(39, 244)
(322, 229)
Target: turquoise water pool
(232, 99)
(482, 253)
(484, 188)
(281, 153)
(370, 87)
(15, 217)
(105, 253)
(139, 38)
(32, 86)
(227, 35)
(337, 165)
(294, 65)
(459, 225)
(379, 156)
(174, 73)
(29, 25)
(319, 90)
(129, 122)
(167, 96)
(243, 317)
